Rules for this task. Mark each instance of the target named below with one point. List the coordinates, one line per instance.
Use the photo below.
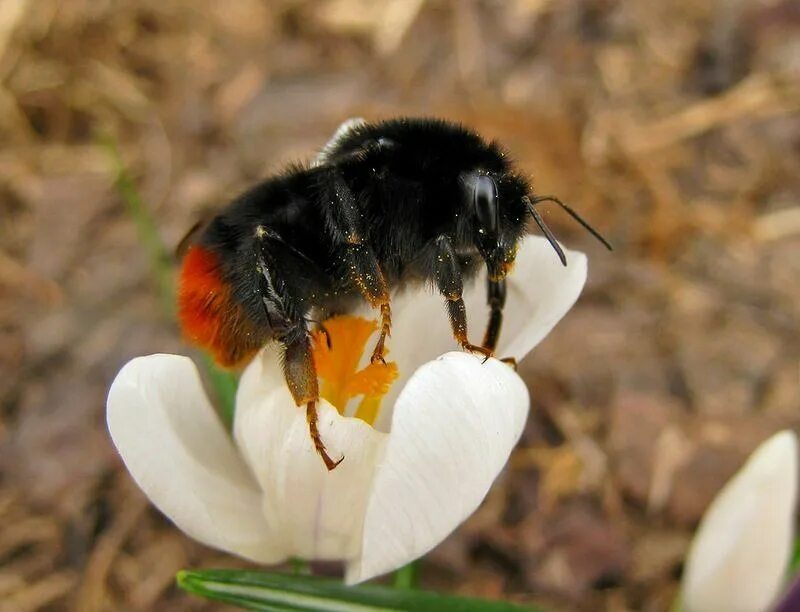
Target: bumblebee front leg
(346, 227)
(450, 284)
(496, 299)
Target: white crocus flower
(740, 555)
(413, 470)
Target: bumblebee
(384, 205)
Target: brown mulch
(673, 126)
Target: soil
(672, 125)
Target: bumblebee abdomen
(208, 314)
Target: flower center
(337, 356)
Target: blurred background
(673, 126)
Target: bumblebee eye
(484, 199)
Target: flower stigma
(338, 349)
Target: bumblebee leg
(291, 330)
(321, 327)
(450, 284)
(311, 417)
(344, 222)
(386, 328)
(301, 376)
(496, 299)
(369, 279)
(511, 362)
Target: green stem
(406, 576)
(160, 260)
(224, 383)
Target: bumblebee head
(498, 219)
(500, 207)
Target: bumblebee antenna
(545, 230)
(574, 215)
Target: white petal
(454, 426)
(317, 513)
(740, 554)
(179, 454)
(540, 291)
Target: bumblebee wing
(191, 236)
(333, 148)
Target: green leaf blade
(272, 591)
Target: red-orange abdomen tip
(208, 316)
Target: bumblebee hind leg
(301, 376)
(291, 330)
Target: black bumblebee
(384, 204)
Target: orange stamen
(337, 366)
